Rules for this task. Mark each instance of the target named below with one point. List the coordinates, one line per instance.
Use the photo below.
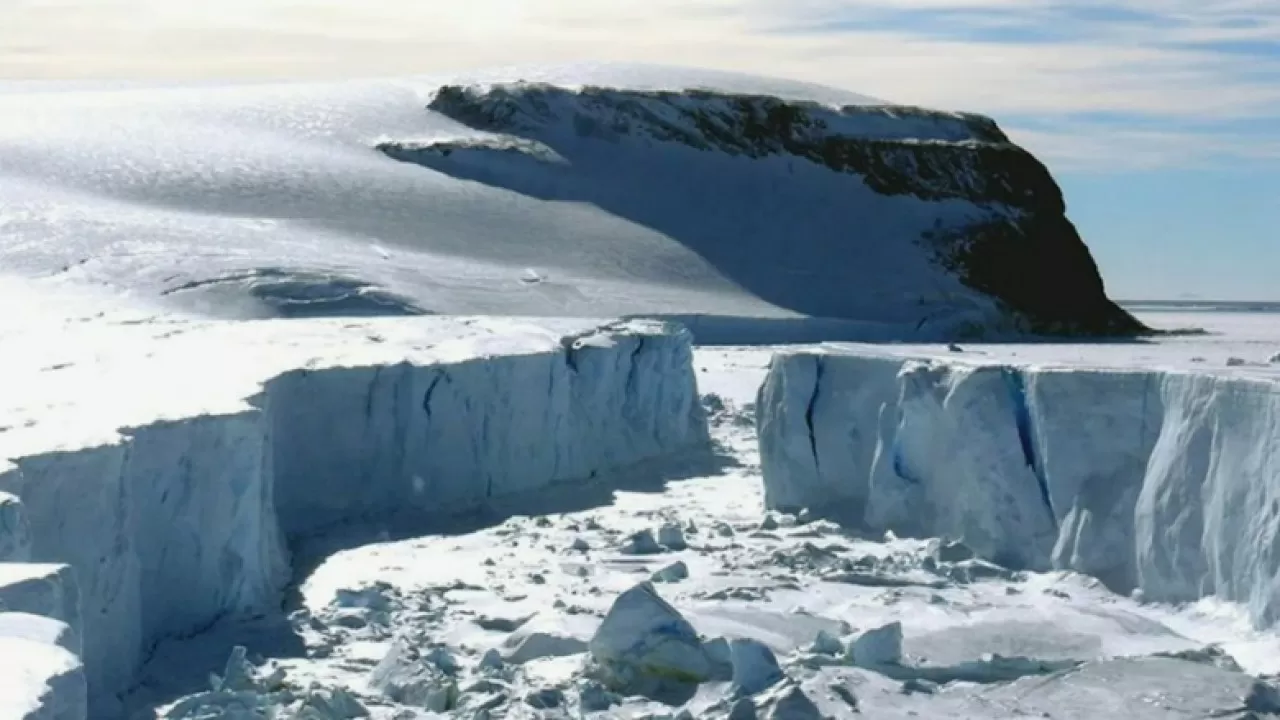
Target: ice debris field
(289, 428)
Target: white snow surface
(40, 680)
(169, 464)
(493, 615)
(270, 200)
(1148, 465)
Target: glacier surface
(1159, 481)
(172, 499)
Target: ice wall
(1166, 482)
(180, 522)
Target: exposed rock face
(1014, 244)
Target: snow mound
(177, 504)
(658, 193)
(1158, 481)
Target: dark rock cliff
(1017, 246)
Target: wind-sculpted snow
(1161, 482)
(175, 492)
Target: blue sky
(1165, 132)
(1160, 118)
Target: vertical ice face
(1094, 433)
(1207, 519)
(952, 460)
(15, 532)
(181, 522)
(449, 437)
(1165, 482)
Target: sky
(1160, 118)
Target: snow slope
(172, 464)
(544, 199)
(1159, 480)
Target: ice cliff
(224, 458)
(1163, 482)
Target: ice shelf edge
(183, 522)
(1163, 482)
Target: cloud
(1178, 80)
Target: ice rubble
(1159, 481)
(187, 515)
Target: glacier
(208, 450)
(1156, 481)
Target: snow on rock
(39, 629)
(15, 533)
(675, 572)
(824, 643)
(47, 590)
(531, 643)
(641, 543)
(899, 165)
(1263, 698)
(245, 691)
(755, 668)
(671, 536)
(40, 681)
(1158, 481)
(409, 677)
(174, 503)
(791, 703)
(646, 647)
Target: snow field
(165, 527)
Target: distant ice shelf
(1161, 482)
(160, 473)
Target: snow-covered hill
(599, 191)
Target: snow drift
(1163, 482)
(613, 191)
(166, 526)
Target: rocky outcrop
(1012, 242)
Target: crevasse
(180, 523)
(1161, 481)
